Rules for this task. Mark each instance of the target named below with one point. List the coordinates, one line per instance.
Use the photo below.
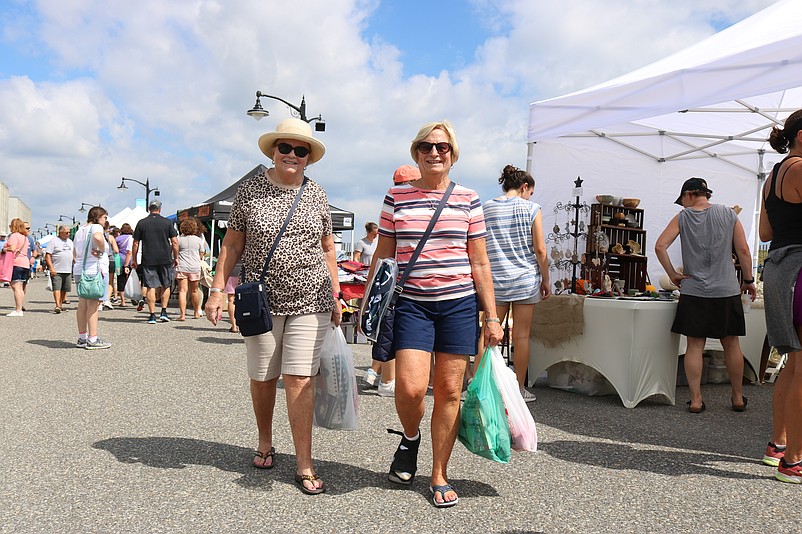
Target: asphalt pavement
(156, 434)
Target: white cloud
(161, 91)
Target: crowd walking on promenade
(464, 257)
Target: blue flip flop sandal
(442, 490)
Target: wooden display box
(628, 267)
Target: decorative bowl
(617, 201)
(605, 199)
(631, 202)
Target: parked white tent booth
(705, 111)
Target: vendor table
(352, 290)
(628, 341)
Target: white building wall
(18, 209)
(4, 218)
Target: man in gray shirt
(710, 294)
(59, 258)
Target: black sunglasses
(442, 148)
(286, 148)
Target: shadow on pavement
(52, 343)
(221, 340)
(178, 453)
(619, 456)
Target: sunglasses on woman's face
(442, 148)
(286, 148)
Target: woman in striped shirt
(438, 309)
(518, 260)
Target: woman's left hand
(337, 313)
(492, 333)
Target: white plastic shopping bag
(336, 396)
(133, 289)
(522, 425)
(49, 283)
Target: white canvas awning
(704, 111)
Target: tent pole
(211, 244)
(761, 178)
(530, 147)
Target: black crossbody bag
(383, 349)
(252, 305)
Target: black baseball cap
(692, 184)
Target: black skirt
(709, 317)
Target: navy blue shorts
(20, 274)
(448, 326)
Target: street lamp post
(84, 204)
(62, 217)
(258, 112)
(146, 185)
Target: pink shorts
(231, 284)
(192, 277)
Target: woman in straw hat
(301, 283)
(438, 310)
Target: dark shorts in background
(709, 317)
(158, 275)
(20, 274)
(61, 282)
(448, 326)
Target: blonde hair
(428, 128)
(17, 226)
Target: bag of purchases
(6, 266)
(377, 313)
(523, 433)
(336, 396)
(118, 263)
(483, 426)
(252, 309)
(133, 289)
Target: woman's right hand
(214, 307)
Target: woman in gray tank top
(710, 294)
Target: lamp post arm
(136, 181)
(301, 110)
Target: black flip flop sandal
(271, 454)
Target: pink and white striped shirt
(443, 270)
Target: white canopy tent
(705, 111)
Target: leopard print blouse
(298, 280)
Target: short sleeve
(237, 217)
(476, 219)
(326, 213)
(387, 217)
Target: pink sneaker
(789, 473)
(773, 454)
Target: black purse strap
(281, 231)
(399, 287)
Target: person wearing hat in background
(382, 374)
(710, 294)
(301, 283)
(159, 240)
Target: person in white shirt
(58, 257)
(364, 249)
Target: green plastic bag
(483, 426)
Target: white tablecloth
(629, 342)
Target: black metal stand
(575, 257)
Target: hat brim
(266, 142)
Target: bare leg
(91, 315)
(231, 317)
(193, 292)
(734, 359)
(693, 369)
(150, 295)
(80, 316)
(412, 368)
(781, 388)
(58, 296)
(300, 392)
(263, 396)
(448, 374)
(793, 407)
(19, 295)
(182, 298)
(165, 298)
(387, 371)
(522, 322)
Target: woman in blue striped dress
(518, 261)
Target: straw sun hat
(294, 129)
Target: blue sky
(93, 90)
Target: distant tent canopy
(214, 212)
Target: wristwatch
(747, 282)
(215, 290)
(492, 320)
